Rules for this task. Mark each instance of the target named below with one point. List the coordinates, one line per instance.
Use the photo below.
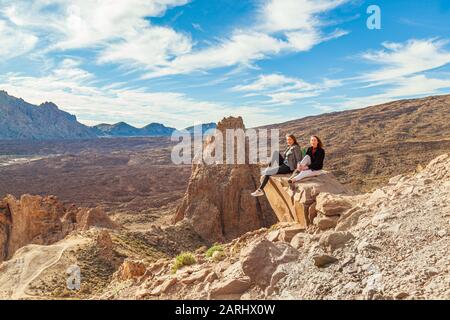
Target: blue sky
(181, 62)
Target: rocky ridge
(22, 120)
(392, 243)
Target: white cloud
(406, 87)
(283, 26)
(14, 42)
(241, 48)
(283, 90)
(288, 98)
(121, 32)
(74, 90)
(272, 81)
(294, 15)
(85, 23)
(118, 30)
(404, 72)
(152, 46)
(404, 59)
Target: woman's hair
(293, 138)
(319, 142)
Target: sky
(183, 62)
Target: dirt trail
(28, 264)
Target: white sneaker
(258, 193)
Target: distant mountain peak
(123, 129)
(23, 120)
(48, 104)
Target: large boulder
(332, 204)
(298, 204)
(30, 219)
(95, 217)
(131, 269)
(218, 203)
(260, 259)
(43, 221)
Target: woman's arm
(297, 154)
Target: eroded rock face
(299, 205)
(31, 219)
(5, 225)
(218, 203)
(40, 220)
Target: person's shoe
(258, 193)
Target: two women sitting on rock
(292, 162)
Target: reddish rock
(96, 217)
(31, 219)
(43, 221)
(218, 203)
(131, 269)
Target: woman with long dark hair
(312, 163)
(287, 163)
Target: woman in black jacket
(312, 163)
(287, 163)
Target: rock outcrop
(43, 221)
(299, 204)
(392, 243)
(218, 203)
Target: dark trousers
(281, 169)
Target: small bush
(218, 256)
(183, 259)
(214, 248)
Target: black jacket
(316, 159)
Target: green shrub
(214, 248)
(183, 259)
(219, 256)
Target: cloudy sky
(181, 62)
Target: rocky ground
(391, 244)
(139, 228)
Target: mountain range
(22, 120)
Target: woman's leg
(306, 161)
(276, 156)
(283, 169)
(306, 174)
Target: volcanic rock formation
(38, 220)
(218, 203)
(299, 204)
